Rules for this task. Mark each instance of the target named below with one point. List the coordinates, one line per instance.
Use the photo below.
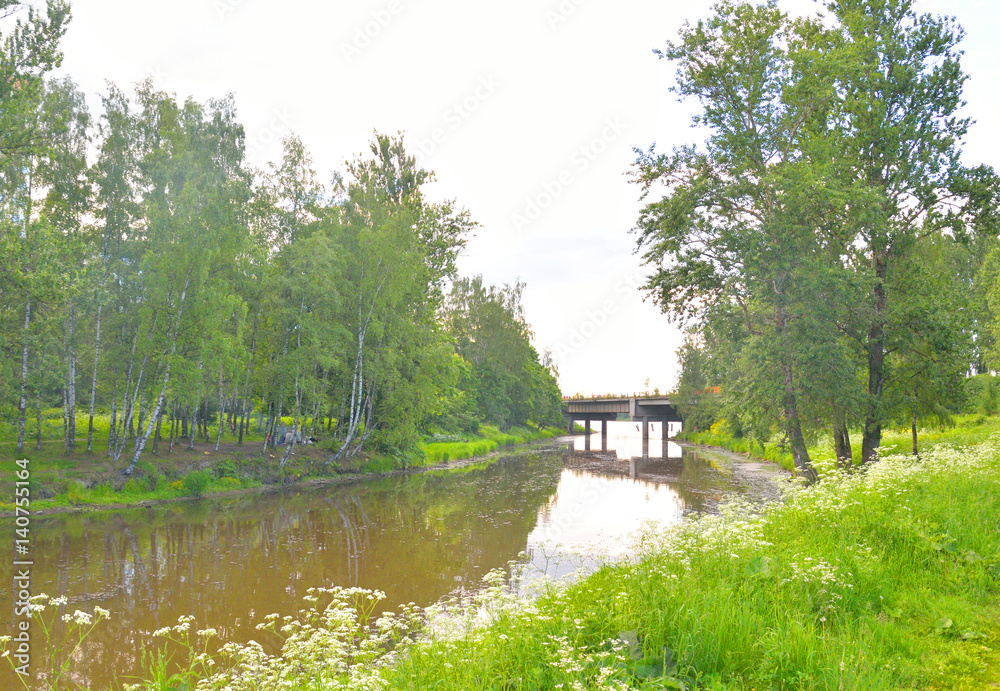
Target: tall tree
(732, 232)
(900, 81)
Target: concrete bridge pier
(588, 431)
(664, 435)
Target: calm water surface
(230, 562)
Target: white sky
(524, 98)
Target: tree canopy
(811, 235)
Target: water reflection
(231, 562)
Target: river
(557, 506)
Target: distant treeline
(148, 273)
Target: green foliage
(441, 451)
(983, 394)
(226, 468)
(196, 482)
(500, 375)
(826, 294)
(201, 279)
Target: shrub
(145, 468)
(196, 482)
(227, 468)
(134, 486)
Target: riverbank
(886, 578)
(965, 430)
(86, 482)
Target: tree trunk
(794, 429)
(65, 428)
(126, 407)
(913, 429)
(149, 428)
(277, 423)
(22, 406)
(267, 425)
(156, 434)
(93, 380)
(71, 380)
(173, 428)
(142, 410)
(295, 424)
(114, 412)
(38, 421)
(246, 386)
(128, 421)
(197, 405)
(172, 337)
(872, 438)
(842, 444)
(222, 408)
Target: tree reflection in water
(230, 562)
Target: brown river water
(229, 562)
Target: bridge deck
(635, 407)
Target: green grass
(489, 440)
(137, 490)
(882, 579)
(966, 430)
(78, 479)
(719, 435)
(879, 580)
(886, 579)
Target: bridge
(636, 408)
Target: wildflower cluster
(60, 650)
(820, 583)
(336, 645)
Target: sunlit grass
(490, 439)
(885, 579)
(964, 430)
(882, 579)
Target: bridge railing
(603, 397)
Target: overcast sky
(527, 110)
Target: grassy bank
(882, 579)
(886, 579)
(965, 430)
(62, 480)
(452, 448)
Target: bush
(227, 468)
(196, 482)
(983, 394)
(145, 468)
(134, 486)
